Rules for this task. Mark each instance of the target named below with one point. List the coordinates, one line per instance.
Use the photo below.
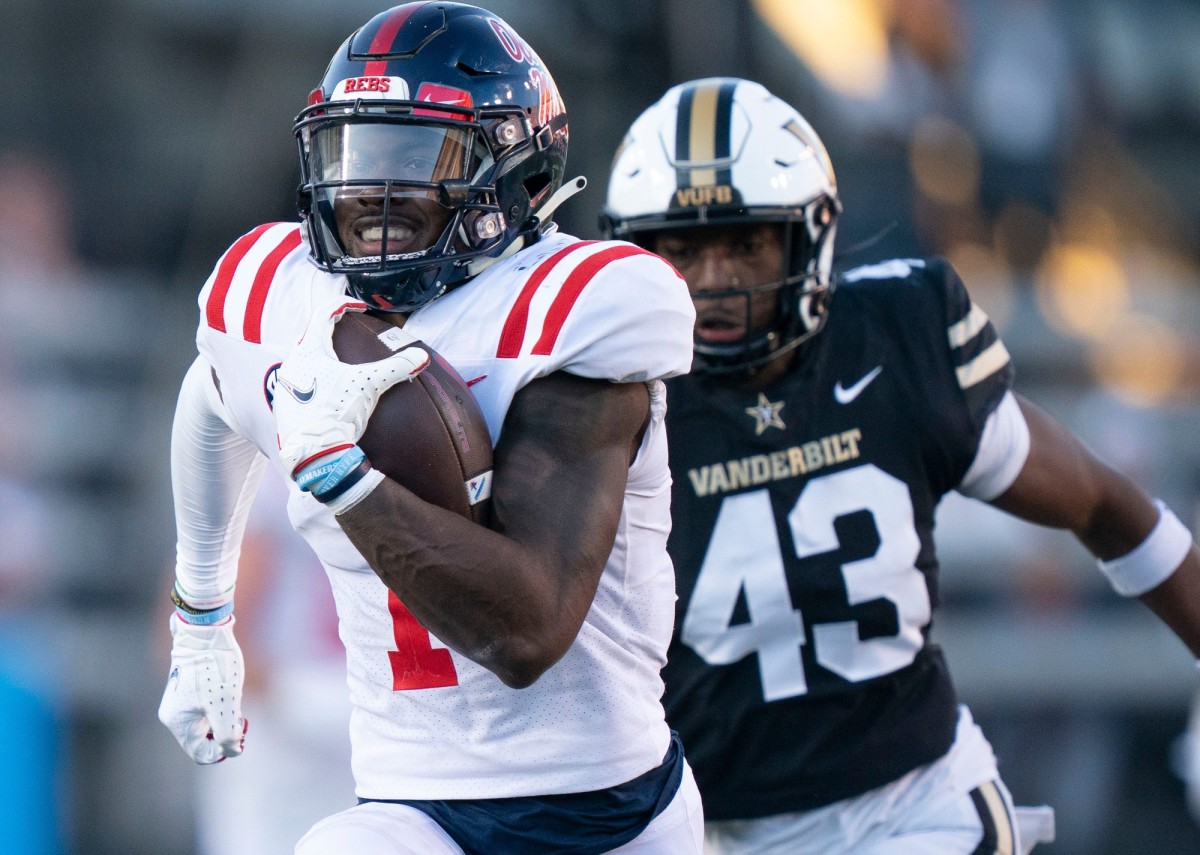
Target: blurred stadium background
(1049, 148)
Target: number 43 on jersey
(744, 556)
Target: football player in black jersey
(810, 446)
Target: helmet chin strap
(569, 189)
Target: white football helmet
(725, 150)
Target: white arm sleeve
(215, 473)
(1003, 450)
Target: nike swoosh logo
(844, 395)
(301, 395)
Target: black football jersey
(801, 671)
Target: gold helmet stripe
(702, 133)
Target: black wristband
(349, 480)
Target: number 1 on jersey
(416, 663)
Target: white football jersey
(427, 722)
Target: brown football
(428, 434)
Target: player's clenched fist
(202, 704)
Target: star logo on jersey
(765, 414)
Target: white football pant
(940, 809)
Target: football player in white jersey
(810, 445)
(504, 680)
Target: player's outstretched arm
(514, 596)
(215, 473)
(1141, 545)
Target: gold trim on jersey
(998, 818)
(983, 366)
(969, 327)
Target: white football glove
(202, 704)
(321, 404)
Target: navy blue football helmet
(434, 140)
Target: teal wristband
(329, 477)
(199, 617)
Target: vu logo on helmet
(689, 197)
(732, 155)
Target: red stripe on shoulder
(214, 310)
(571, 289)
(513, 334)
(252, 323)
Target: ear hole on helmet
(536, 186)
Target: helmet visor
(385, 191)
(376, 152)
